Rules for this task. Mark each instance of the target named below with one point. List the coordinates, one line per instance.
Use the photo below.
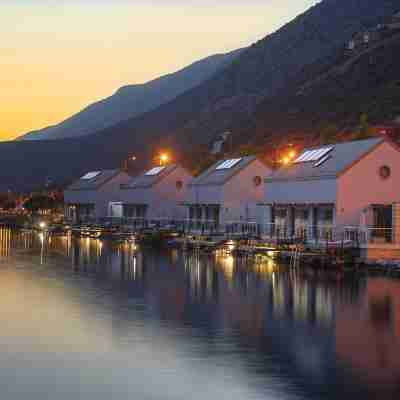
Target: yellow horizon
(57, 58)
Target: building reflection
(5, 242)
(243, 288)
(368, 334)
(308, 317)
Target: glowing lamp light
(42, 225)
(292, 155)
(286, 160)
(164, 158)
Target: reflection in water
(113, 320)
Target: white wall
(315, 191)
(164, 198)
(241, 196)
(101, 197)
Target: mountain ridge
(130, 101)
(252, 97)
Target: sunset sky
(57, 56)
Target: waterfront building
(87, 199)
(154, 195)
(329, 193)
(227, 193)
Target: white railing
(317, 234)
(365, 235)
(329, 233)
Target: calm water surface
(81, 319)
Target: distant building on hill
(217, 145)
(366, 37)
(389, 130)
(394, 22)
(363, 39)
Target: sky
(57, 56)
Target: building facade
(329, 192)
(227, 192)
(154, 195)
(87, 199)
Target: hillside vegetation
(280, 87)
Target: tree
(40, 202)
(364, 130)
(9, 205)
(328, 134)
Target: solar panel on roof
(310, 156)
(324, 152)
(322, 160)
(154, 171)
(300, 159)
(317, 154)
(91, 175)
(313, 155)
(228, 164)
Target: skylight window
(154, 171)
(91, 175)
(228, 164)
(314, 155)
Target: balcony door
(382, 223)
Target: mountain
(364, 83)
(259, 94)
(130, 101)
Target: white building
(228, 192)
(154, 195)
(87, 199)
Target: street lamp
(126, 162)
(163, 159)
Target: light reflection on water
(88, 319)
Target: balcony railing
(365, 235)
(316, 234)
(329, 233)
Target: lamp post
(126, 162)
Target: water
(82, 319)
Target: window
(257, 180)
(154, 171)
(228, 164)
(179, 185)
(91, 175)
(384, 172)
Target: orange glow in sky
(57, 57)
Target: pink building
(337, 190)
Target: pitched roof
(342, 156)
(144, 181)
(214, 176)
(97, 181)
